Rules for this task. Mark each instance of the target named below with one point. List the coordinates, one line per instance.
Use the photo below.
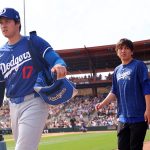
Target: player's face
(8, 27)
(125, 53)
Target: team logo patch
(3, 11)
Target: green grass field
(81, 141)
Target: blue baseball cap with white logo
(10, 13)
(60, 91)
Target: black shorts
(131, 135)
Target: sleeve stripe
(45, 51)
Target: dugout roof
(100, 58)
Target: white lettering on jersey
(14, 64)
(124, 75)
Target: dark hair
(18, 23)
(124, 42)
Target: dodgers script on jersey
(16, 67)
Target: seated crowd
(82, 108)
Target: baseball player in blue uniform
(17, 75)
(131, 88)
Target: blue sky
(74, 23)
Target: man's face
(8, 27)
(124, 53)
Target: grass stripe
(76, 141)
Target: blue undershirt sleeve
(53, 58)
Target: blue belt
(19, 100)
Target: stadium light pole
(24, 16)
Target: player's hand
(98, 106)
(60, 70)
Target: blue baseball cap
(60, 91)
(10, 13)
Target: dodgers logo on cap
(60, 91)
(3, 11)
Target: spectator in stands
(73, 123)
(131, 88)
(83, 127)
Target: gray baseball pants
(27, 121)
